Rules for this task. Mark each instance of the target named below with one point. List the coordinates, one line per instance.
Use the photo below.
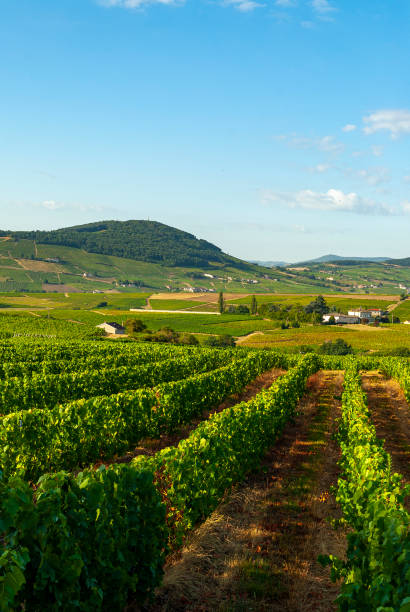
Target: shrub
(223, 341)
(188, 339)
(337, 347)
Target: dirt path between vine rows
(390, 414)
(258, 551)
(152, 446)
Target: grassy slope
(18, 272)
(403, 310)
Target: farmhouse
(340, 318)
(112, 328)
(367, 316)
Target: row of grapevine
(377, 571)
(78, 433)
(46, 390)
(66, 351)
(400, 370)
(96, 356)
(110, 527)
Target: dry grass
(258, 550)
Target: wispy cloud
(374, 176)
(406, 207)
(245, 6)
(323, 9)
(322, 6)
(139, 4)
(377, 150)
(333, 200)
(395, 121)
(320, 168)
(286, 3)
(326, 144)
(51, 205)
(54, 205)
(350, 127)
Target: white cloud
(333, 200)
(245, 6)
(285, 3)
(406, 207)
(137, 4)
(396, 122)
(406, 179)
(350, 127)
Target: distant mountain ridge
(334, 258)
(271, 264)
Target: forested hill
(147, 241)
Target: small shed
(112, 328)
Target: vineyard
(114, 456)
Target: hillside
(139, 240)
(123, 256)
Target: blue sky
(277, 129)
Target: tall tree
(221, 302)
(318, 306)
(254, 305)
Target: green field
(403, 310)
(336, 303)
(363, 339)
(83, 316)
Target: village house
(341, 318)
(367, 316)
(112, 328)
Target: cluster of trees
(137, 329)
(140, 240)
(237, 308)
(292, 315)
